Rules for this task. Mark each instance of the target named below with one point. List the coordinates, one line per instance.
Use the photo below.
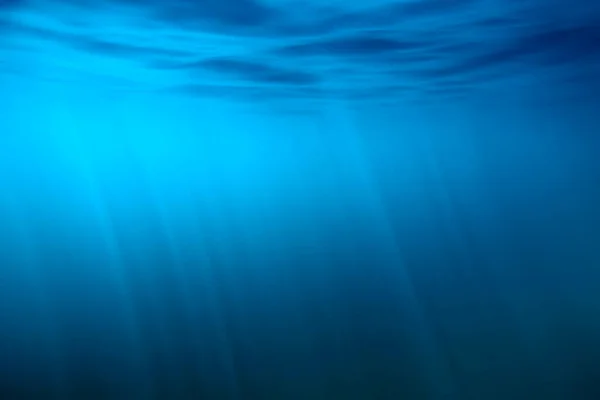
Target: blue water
(299, 199)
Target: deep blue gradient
(299, 199)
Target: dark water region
(299, 199)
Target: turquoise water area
(299, 199)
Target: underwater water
(299, 199)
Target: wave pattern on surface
(303, 48)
